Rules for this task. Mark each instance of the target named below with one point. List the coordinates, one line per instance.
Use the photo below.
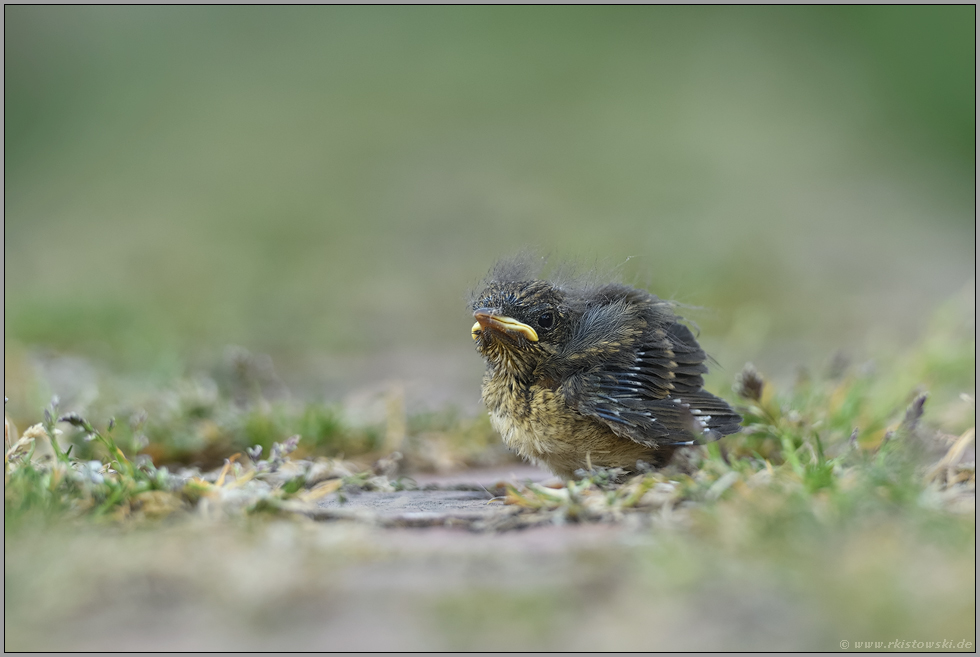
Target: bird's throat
(511, 364)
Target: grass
(854, 440)
(95, 478)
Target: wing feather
(641, 374)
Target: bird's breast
(527, 416)
(533, 419)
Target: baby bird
(597, 375)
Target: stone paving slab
(461, 499)
(516, 473)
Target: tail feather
(714, 414)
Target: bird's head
(520, 323)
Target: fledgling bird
(580, 376)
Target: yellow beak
(486, 319)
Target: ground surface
(347, 586)
(329, 585)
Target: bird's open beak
(486, 319)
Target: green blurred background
(325, 184)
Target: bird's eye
(546, 321)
